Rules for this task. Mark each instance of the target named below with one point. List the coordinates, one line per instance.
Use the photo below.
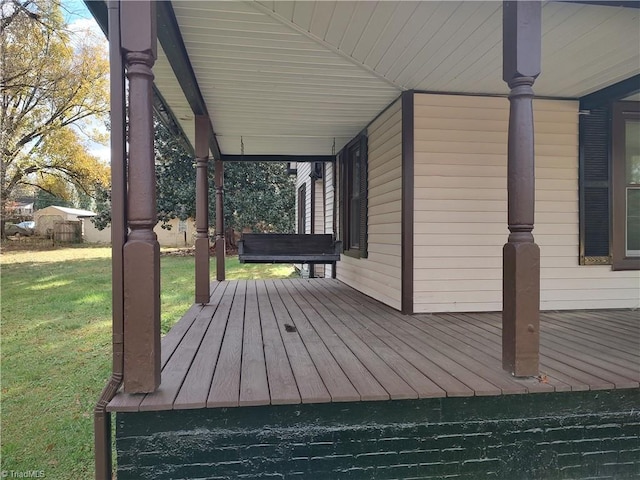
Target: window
(302, 208)
(610, 186)
(353, 197)
(626, 185)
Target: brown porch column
(141, 251)
(220, 240)
(521, 256)
(202, 209)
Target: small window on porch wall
(610, 186)
(353, 197)
(302, 208)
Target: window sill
(627, 263)
(352, 253)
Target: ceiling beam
(173, 46)
(278, 158)
(614, 92)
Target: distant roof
(75, 211)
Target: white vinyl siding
(304, 170)
(379, 275)
(318, 221)
(328, 208)
(460, 220)
(303, 177)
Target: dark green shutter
(595, 187)
(364, 195)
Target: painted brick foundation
(575, 435)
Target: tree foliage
(44, 199)
(53, 84)
(258, 196)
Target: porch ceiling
(289, 77)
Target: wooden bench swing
(308, 249)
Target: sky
(80, 21)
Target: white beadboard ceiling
(290, 77)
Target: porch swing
(297, 248)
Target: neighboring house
(181, 234)
(19, 209)
(413, 133)
(24, 209)
(47, 218)
(314, 203)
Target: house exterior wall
(318, 220)
(460, 220)
(175, 238)
(166, 238)
(379, 275)
(93, 235)
(329, 195)
(304, 170)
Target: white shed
(47, 218)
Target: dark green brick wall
(575, 435)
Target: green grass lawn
(56, 348)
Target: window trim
(346, 185)
(302, 208)
(621, 111)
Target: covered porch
(292, 341)
(309, 378)
(256, 81)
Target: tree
(175, 176)
(259, 196)
(45, 199)
(53, 84)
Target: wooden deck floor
(310, 341)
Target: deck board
(196, 386)
(360, 377)
(282, 383)
(580, 377)
(225, 387)
(393, 384)
(457, 364)
(254, 386)
(334, 378)
(446, 373)
(317, 340)
(489, 341)
(351, 319)
(490, 366)
(309, 381)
